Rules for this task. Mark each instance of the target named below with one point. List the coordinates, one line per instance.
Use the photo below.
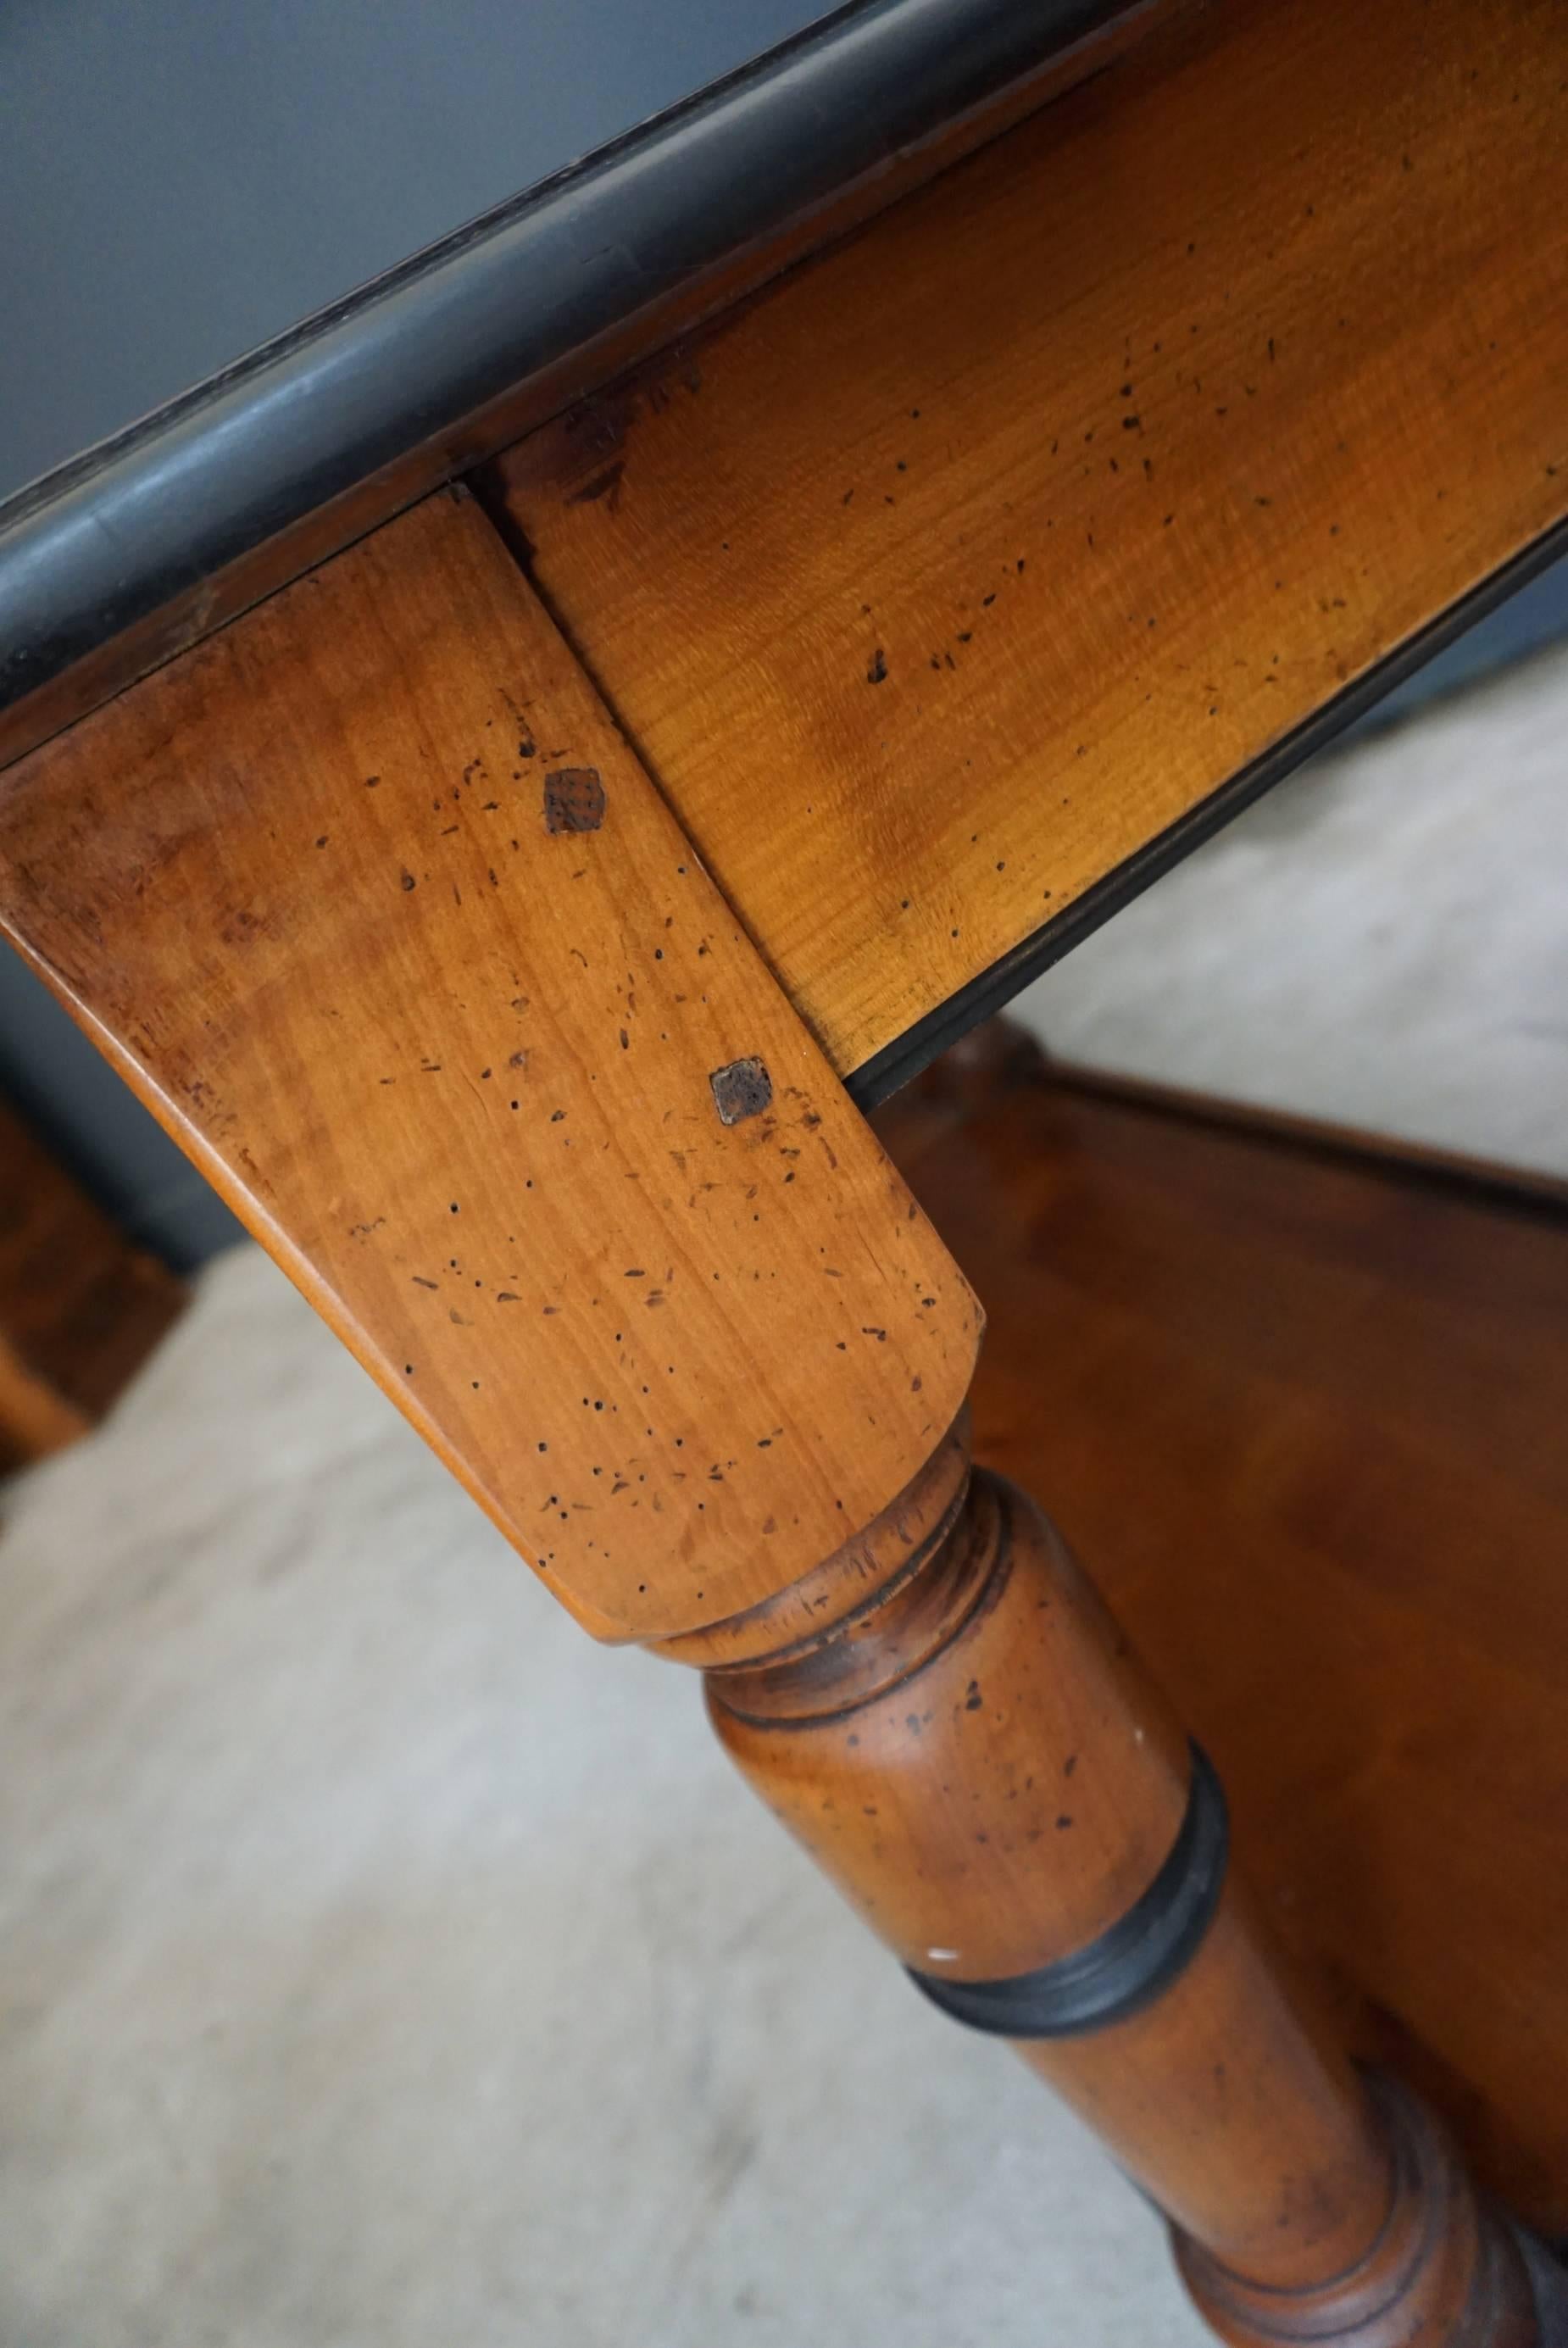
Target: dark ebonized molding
(1133, 1961)
(107, 540)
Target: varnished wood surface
(1304, 1414)
(377, 910)
(985, 1770)
(80, 1309)
(1444, 2272)
(1022, 1795)
(975, 555)
(974, 1755)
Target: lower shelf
(1302, 1408)
(80, 1308)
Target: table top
(182, 195)
(952, 585)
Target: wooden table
(513, 773)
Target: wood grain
(973, 556)
(1303, 1406)
(974, 1756)
(195, 611)
(380, 914)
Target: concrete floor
(382, 1966)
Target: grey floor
(381, 1965)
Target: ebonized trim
(100, 544)
(1133, 1961)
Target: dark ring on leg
(1133, 1961)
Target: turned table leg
(970, 1749)
(466, 1033)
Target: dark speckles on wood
(574, 799)
(742, 1089)
(466, 1155)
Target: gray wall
(181, 181)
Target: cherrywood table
(513, 772)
